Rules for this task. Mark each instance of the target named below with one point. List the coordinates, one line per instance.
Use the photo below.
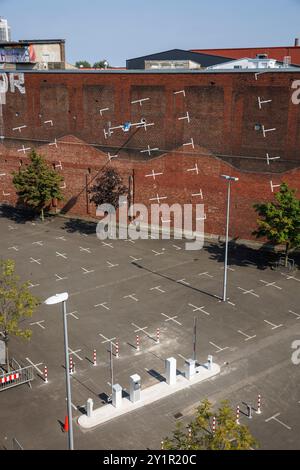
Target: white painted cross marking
(59, 278)
(158, 198)
(274, 418)
(265, 131)
(296, 314)
(140, 101)
(37, 261)
(107, 340)
(187, 117)
(199, 309)
(271, 284)
(261, 102)
(149, 150)
(179, 92)
(205, 274)
(140, 329)
(111, 265)
(177, 247)
(15, 248)
(135, 259)
(128, 240)
(219, 349)
(24, 150)
(274, 186)
(229, 269)
(38, 243)
(72, 314)
(183, 281)
(54, 144)
(248, 338)
(132, 297)
(31, 286)
(39, 323)
(153, 175)
(71, 352)
(157, 253)
(49, 122)
(158, 288)
(270, 159)
(111, 157)
(173, 319)
(36, 366)
(102, 110)
(198, 194)
(107, 244)
(61, 255)
(245, 292)
(196, 169)
(87, 271)
(290, 277)
(191, 143)
(104, 305)
(87, 250)
(275, 327)
(19, 128)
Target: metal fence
(16, 377)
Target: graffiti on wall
(11, 82)
(14, 55)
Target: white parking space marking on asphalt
(40, 243)
(275, 418)
(274, 327)
(86, 250)
(206, 275)
(87, 271)
(199, 309)
(245, 292)
(271, 284)
(296, 314)
(104, 305)
(39, 323)
(75, 353)
(248, 338)
(219, 349)
(15, 248)
(59, 278)
(132, 297)
(107, 340)
(37, 261)
(61, 255)
(173, 319)
(159, 289)
(36, 366)
(72, 314)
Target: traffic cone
(66, 425)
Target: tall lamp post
(62, 299)
(229, 179)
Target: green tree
(83, 64)
(38, 184)
(199, 434)
(108, 188)
(280, 220)
(102, 64)
(16, 304)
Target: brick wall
(222, 110)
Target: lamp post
(229, 179)
(62, 299)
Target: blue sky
(119, 29)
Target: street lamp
(229, 179)
(62, 299)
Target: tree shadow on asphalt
(19, 214)
(244, 256)
(83, 227)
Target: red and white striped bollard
(259, 405)
(214, 425)
(46, 374)
(137, 342)
(94, 357)
(158, 336)
(71, 365)
(237, 415)
(117, 349)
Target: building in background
(5, 32)
(260, 62)
(278, 53)
(167, 58)
(40, 54)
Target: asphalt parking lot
(121, 289)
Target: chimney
(297, 42)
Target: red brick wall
(223, 110)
